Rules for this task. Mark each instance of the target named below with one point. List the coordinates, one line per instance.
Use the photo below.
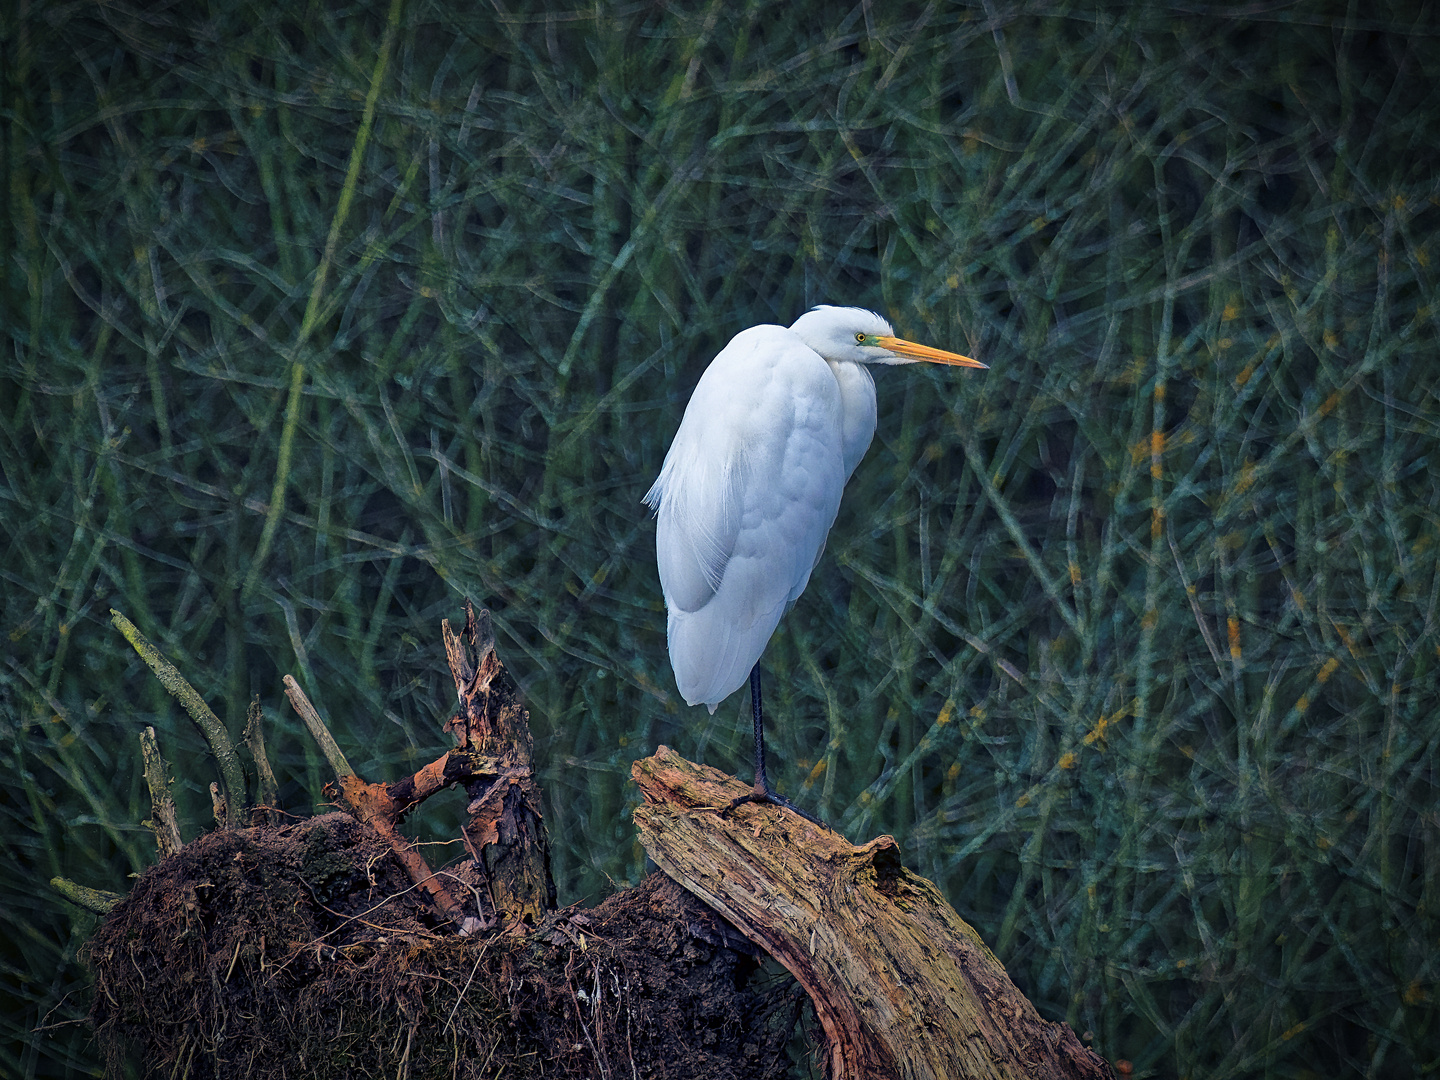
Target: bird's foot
(774, 798)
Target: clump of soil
(305, 951)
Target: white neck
(857, 399)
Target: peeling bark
(901, 984)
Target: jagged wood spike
(318, 731)
(163, 818)
(268, 789)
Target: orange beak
(912, 351)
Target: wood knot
(884, 857)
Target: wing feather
(745, 499)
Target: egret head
(862, 337)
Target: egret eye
(860, 337)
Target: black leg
(757, 714)
(763, 792)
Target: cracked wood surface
(901, 984)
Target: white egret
(751, 486)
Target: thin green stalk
(313, 307)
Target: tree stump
(504, 831)
(901, 984)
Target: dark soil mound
(305, 951)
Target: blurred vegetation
(319, 317)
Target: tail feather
(712, 659)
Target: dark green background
(1131, 641)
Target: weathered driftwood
(902, 986)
